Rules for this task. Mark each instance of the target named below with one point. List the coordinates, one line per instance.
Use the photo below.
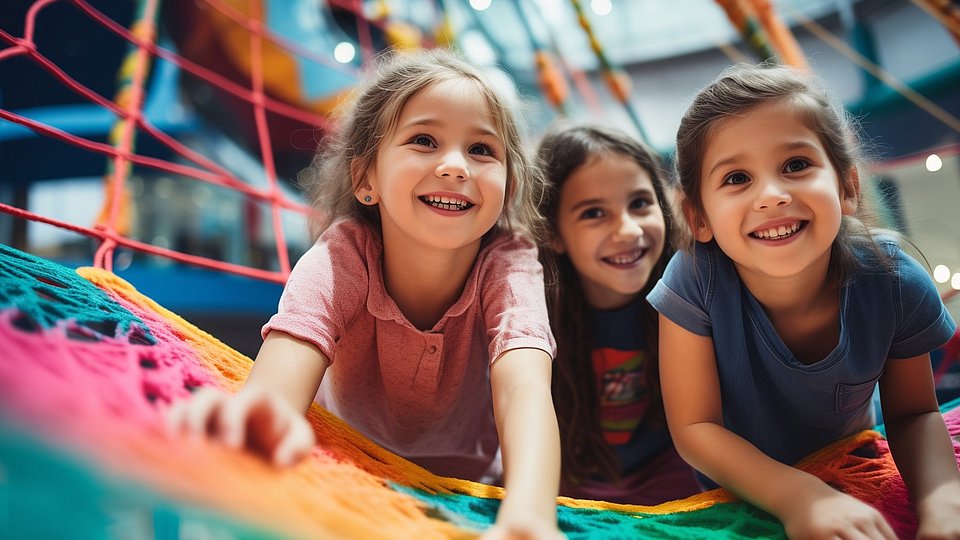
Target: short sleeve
(326, 289)
(514, 302)
(682, 294)
(923, 321)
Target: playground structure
(216, 105)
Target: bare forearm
(529, 437)
(530, 446)
(737, 465)
(288, 368)
(924, 455)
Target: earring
(367, 199)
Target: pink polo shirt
(424, 395)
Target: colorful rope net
(88, 365)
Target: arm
(921, 445)
(807, 506)
(529, 442)
(267, 414)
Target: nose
(453, 165)
(627, 228)
(772, 194)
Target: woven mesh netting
(89, 363)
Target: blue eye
(796, 165)
(736, 179)
(483, 150)
(422, 140)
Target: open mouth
(625, 259)
(447, 203)
(779, 233)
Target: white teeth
(624, 259)
(445, 202)
(776, 233)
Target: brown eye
(736, 179)
(796, 165)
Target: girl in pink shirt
(419, 314)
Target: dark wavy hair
(564, 149)
(745, 86)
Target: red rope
(131, 117)
(204, 262)
(208, 75)
(132, 114)
(263, 134)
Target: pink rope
(132, 117)
(203, 262)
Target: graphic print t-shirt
(621, 367)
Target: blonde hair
(334, 175)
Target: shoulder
(698, 267)
(686, 293)
(506, 253)
(345, 248)
(349, 243)
(884, 254)
(507, 245)
(348, 232)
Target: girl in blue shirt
(608, 235)
(785, 310)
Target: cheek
(656, 239)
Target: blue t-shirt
(621, 366)
(785, 408)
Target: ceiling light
(941, 274)
(344, 52)
(601, 7)
(480, 5)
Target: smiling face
(440, 175)
(610, 224)
(771, 197)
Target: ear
(363, 191)
(557, 245)
(699, 227)
(850, 198)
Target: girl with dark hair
(608, 229)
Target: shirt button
(432, 349)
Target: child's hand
(527, 529)
(939, 520)
(252, 419)
(835, 515)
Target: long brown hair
(585, 453)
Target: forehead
(455, 99)
(759, 131)
(608, 174)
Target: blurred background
(162, 139)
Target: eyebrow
(795, 145)
(433, 122)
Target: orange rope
(945, 11)
(780, 36)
